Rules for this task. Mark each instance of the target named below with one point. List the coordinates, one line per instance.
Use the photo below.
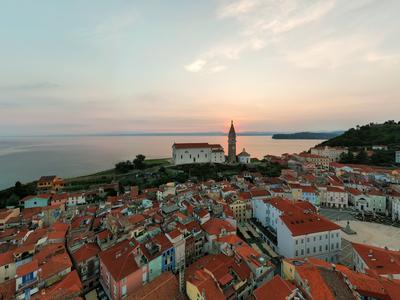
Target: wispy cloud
(261, 22)
(20, 87)
(196, 66)
(287, 28)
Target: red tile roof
(69, 287)
(6, 258)
(85, 252)
(214, 226)
(306, 223)
(165, 286)
(119, 259)
(174, 233)
(380, 261)
(276, 288)
(56, 264)
(27, 268)
(191, 145)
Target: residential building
(120, 274)
(397, 157)
(165, 286)
(178, 242)
(321, 162)
(218, 277)
(334, 197)
(40, 200)
(241, 209)
(377, 201)
(76, 199)
(374, 260)
(26, 280)
(7, 266)
(6, 215)
(86, 262)
(214, 229)
(333, 153)
(50, 183)
(277, 289)
(294, 229)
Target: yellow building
(50, 183)
(241, 210)
(6, 215)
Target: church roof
(232, 130)
(244, 153)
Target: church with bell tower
(232, 145)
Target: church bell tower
(232, 145)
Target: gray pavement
(335, 214)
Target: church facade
(192, 153)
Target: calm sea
(26, 159)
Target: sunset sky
(159, 66)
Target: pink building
(119, 273)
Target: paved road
(335, 214)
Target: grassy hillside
(371, 134)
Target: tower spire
(232, 144)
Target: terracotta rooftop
(215, 226)
(276, 288)
(68, 288)
(27, 268)
(119, 259)
(85, 252)
(379, 260)
(191, 145)
(165, 286)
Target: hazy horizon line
(194, 133)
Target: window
(302, 251)
(297, 253)
(308, 250)
(320, 248)
(314, 250)
(123, 290)
(326, 247)
(308, 240)
(297, 242)
(314, 238)
(6, 267)
(320, 237)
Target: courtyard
(373, 234)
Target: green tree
(362, 157)
(138, 162)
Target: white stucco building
(334, 197)
(332, 152)
(299, 230)
(244, 157)
(192, 153)
(76, 199)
